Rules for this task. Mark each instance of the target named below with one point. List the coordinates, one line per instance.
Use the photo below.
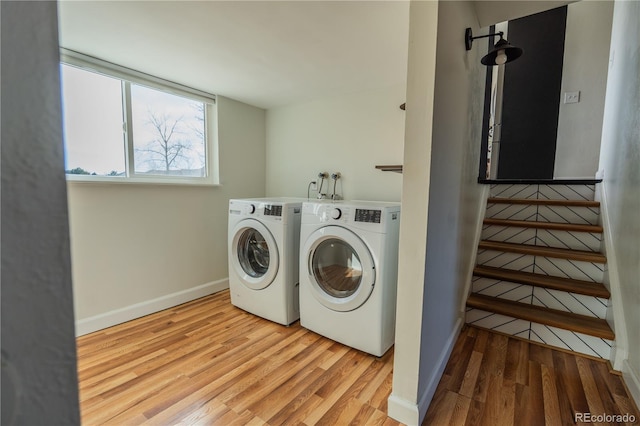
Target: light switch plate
(571, 97)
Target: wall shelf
(391, 168)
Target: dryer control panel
(368, 216)
(272, 210)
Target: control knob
(336, 213)
(252, 209)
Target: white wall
(39, 379)
(586, 60)
(138, 248)
(403, 402)
(441, 199)
(349, 134)
(620, 164)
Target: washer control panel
(368, 215)
(272, 210)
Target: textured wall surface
(586, 59)
(349, 134)
(132, 243)
(423, 22)
(39, 382)
(454, 195)
(619, 160)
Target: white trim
(402, 410)
(619, 352)
(137, 310)
(410, 413)
(127, 77)
(156, 180)
(81, 60)
(632, 380)
(480, 215)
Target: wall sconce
(502, 52)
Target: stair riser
(585, 241)
(565, 268)
(546, 192)
(554, 299)
(534, 213)
(552, 336)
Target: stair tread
(556, 226)
(587, 288)
(569, 321)
(579, 255)
(571, 203)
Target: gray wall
(620, 163)
(455, 198)
(39, 384)
(441, 201)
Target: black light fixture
(502, 52)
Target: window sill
(106, 180)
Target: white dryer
(264, 241)
(348, 272)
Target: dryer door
(340, 267)
(254, 254)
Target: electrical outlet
(571, 97)
(314, 186)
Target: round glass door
(340, 268)
(337, 268)
(254, 254)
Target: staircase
(539, 269)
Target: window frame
(128, 77)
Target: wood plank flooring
(209, 363)
(493, 379)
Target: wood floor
(493, 379)
(209, 363)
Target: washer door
(340, 267)
(254, 254)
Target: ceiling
(264, 53)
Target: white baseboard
(471, 264)
(632, 380)
(402, 410)
(612, 282)
(137, 310)
(410, 413)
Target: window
(123, 126)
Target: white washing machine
(264, 241)
(348, 272)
